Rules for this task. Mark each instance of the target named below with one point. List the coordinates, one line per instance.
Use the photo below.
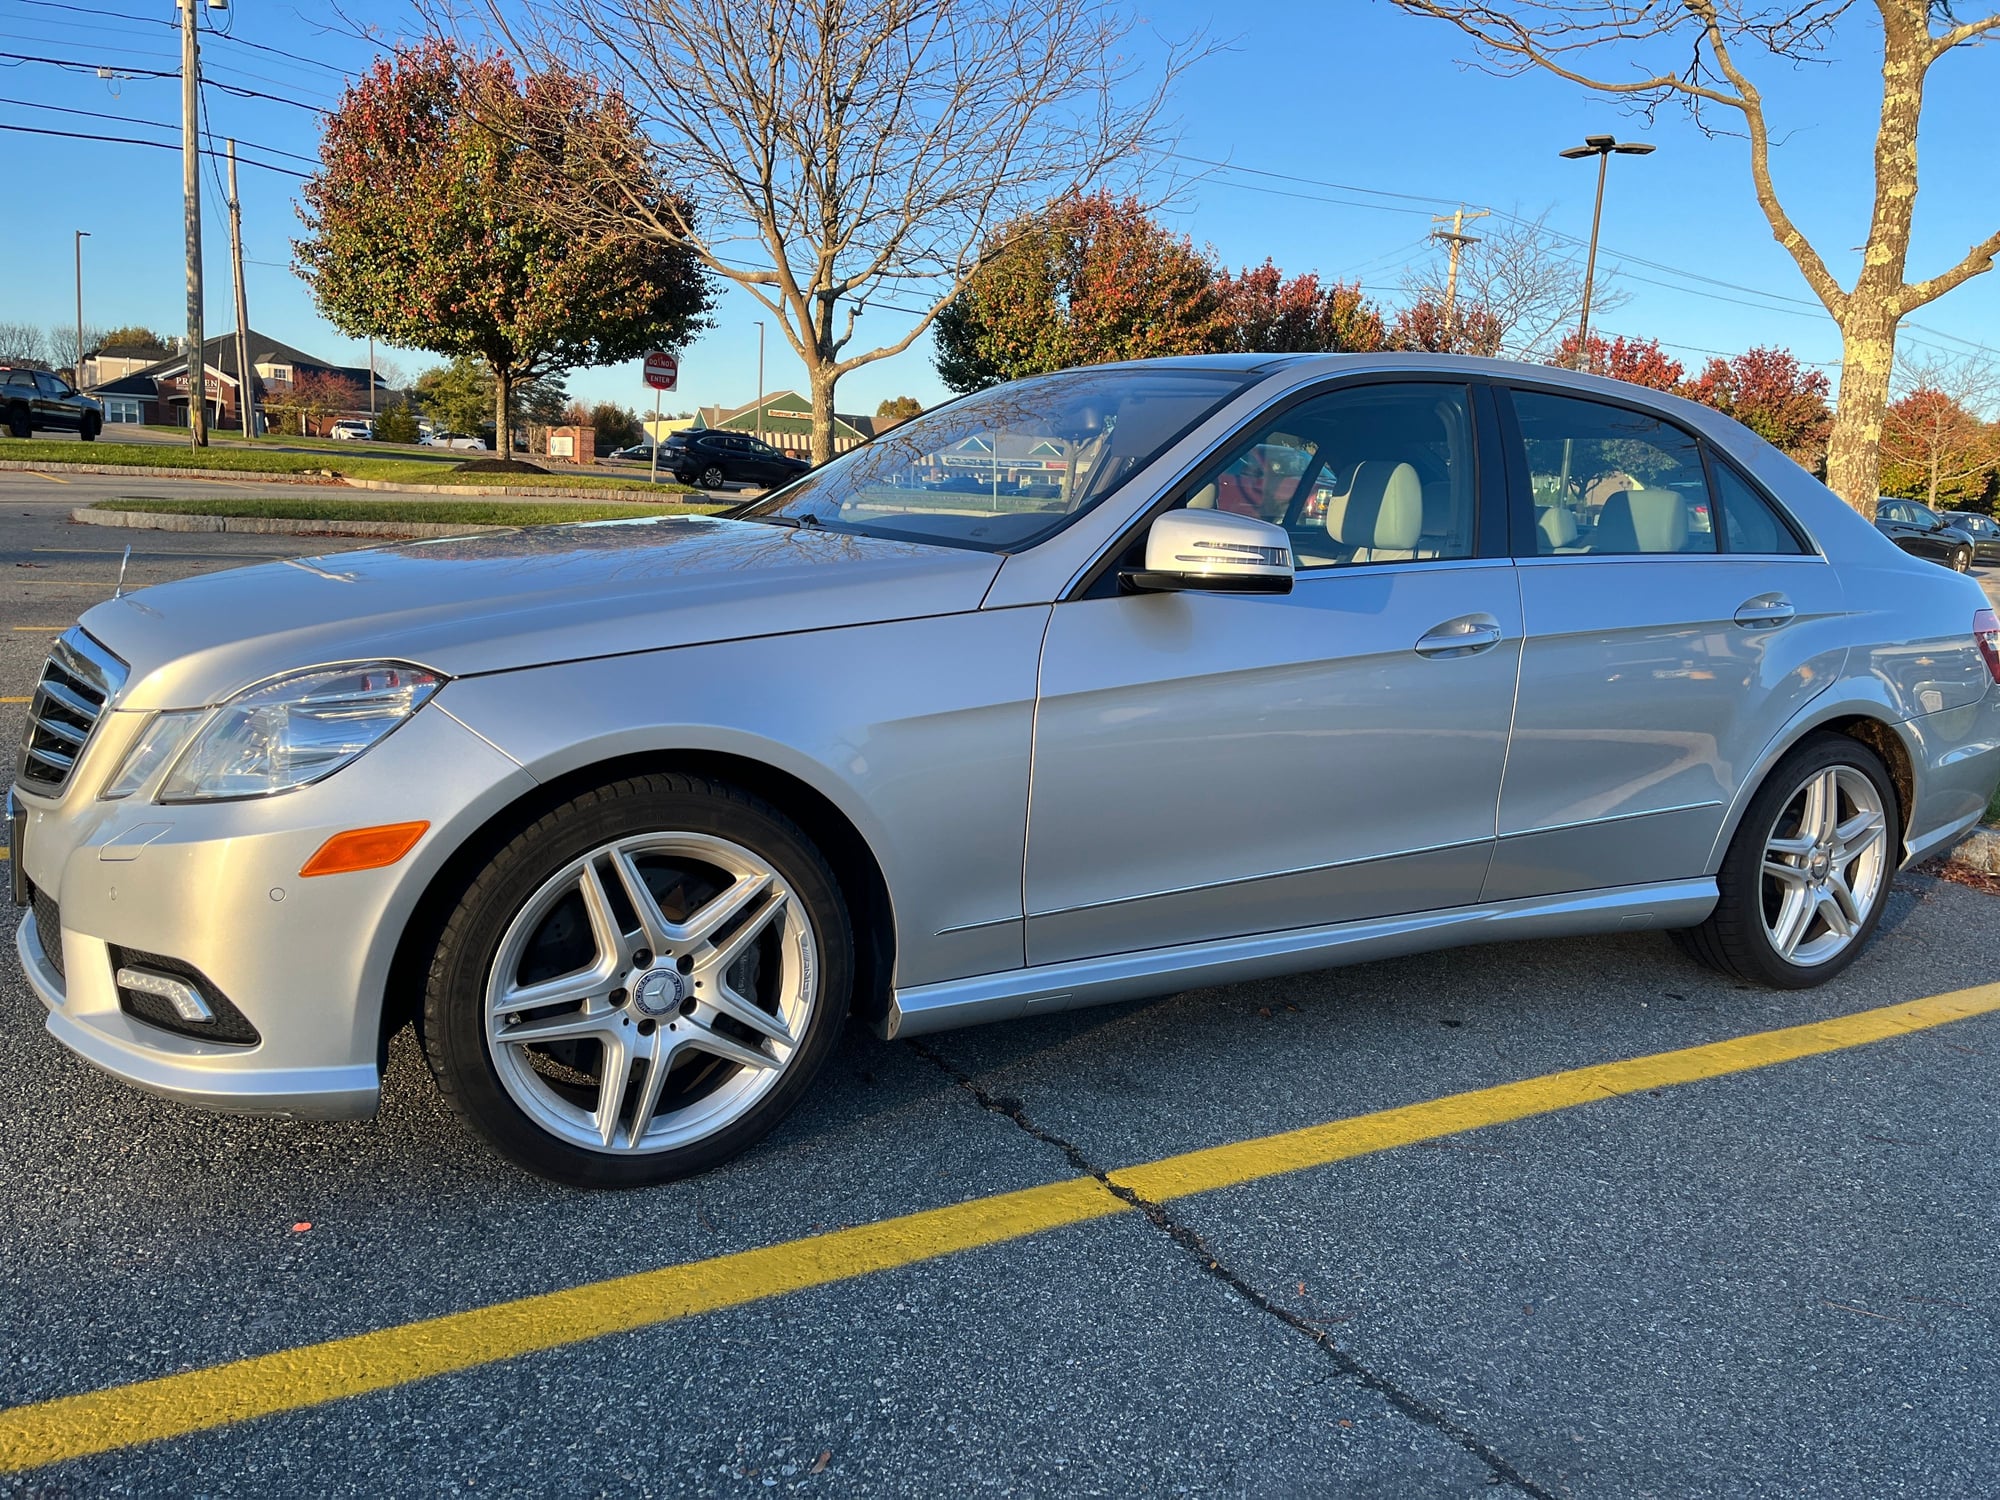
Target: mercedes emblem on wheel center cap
(659, 991)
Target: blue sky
(1349, 93)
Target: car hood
(502, 600)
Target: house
(157, 394)
(115, 361)
(784, 420)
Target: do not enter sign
(663, 371)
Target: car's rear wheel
(18, 424)
(1808, 872)
(711, 477)
(641, 984)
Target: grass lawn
(443, 512)
(1993, 807)
(339, 458)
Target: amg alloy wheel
(642, 984)
(1804, 882)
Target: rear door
(1675, 621)
(1209, 765)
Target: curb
(255, 476)
(1978, 851)
(139, 520)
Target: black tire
(453, 1025)
(1734, 940)
(88, 432)
(18, 424)
(685, 476)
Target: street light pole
(81, 236)
(1602, 147)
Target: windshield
(1007, 467)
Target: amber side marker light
(364, 849)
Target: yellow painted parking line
(51, 478)
(71, 1427)
(16, 700)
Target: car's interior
(1612, 481)
(1380, 474)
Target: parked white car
(352, 429)
(454, 440)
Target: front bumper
(216, 886)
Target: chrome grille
(78, 680)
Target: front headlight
(296, 730)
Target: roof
(219, 355)
(131, 351)
(786, 413)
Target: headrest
(1383, 509)
(1557, 524)
(1644, 520)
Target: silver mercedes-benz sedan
(1087, 687)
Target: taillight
(1986, 631)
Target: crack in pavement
(1415, 1408)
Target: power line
(73, 66)
(98, 114)
(227, 36)
(121, 140)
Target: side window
(1373, 474)
(50, 385)
(1748, 522)
(1610, 481)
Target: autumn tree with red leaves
(1086, 281)
(436, 221)
(313, 395)
(1268, 314)
(1425, 327)
(1637, 361)
(1771, 393)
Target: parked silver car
(1083, 688)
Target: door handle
(1765, 611)
(1461, 637)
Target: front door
(1675, 623)
(1209, 765)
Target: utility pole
(1602, 147)
(197, 364)
(371, 374)
(760, 382)
(81, 236)
(246, 373)
(1455, 239)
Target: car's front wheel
(1961, 560)
(1807, 874)
(641, 984)
(88, 432)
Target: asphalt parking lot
(1760, 1273)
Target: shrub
(398, 424)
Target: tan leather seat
(1381, 517)
(1643, 520)
(1557, 526)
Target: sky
(1341, 127)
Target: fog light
(183, 997)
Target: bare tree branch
(844, 152)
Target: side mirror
(1212, 550)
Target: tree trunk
(1868, 357)
(822, 380)
(503, 402)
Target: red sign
(663, 371)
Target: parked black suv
(712, 458)
(37, 401)
(1922, 532)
